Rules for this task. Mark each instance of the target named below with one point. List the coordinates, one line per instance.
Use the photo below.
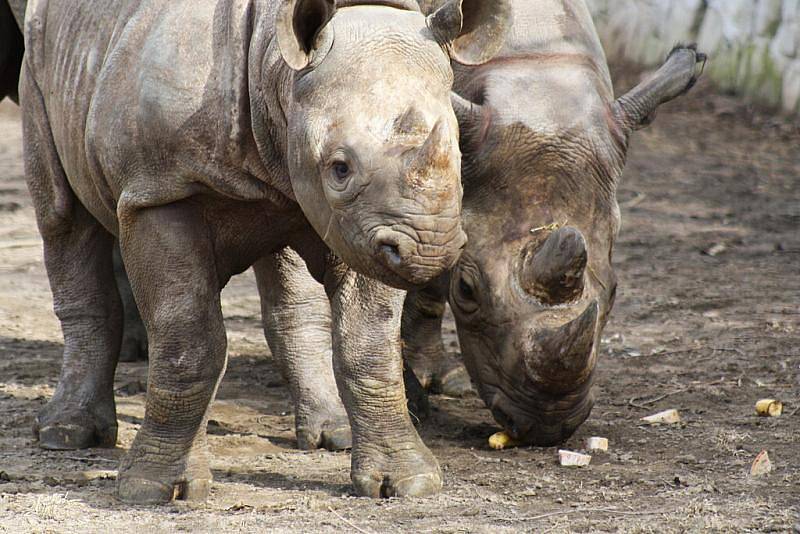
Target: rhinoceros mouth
(542, 420)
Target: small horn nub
(435, 153)
(553, 271)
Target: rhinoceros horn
(560, 359)
(447, 21)
(553, 271)
(435, 152)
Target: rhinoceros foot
(149, 482)
(134, 490)
(442, 373)
(62, 426)
(329, 431)
(452, 379)
(407, 471)
(144, 491)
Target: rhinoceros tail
(12, 48)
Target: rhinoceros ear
(474, 29)
(637, 108)
(300, 27)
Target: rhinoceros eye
(341, 171)
(464, 292)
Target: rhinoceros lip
(541, 420)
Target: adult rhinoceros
(544, 144)
(208, 133)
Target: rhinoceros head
(373, 140)
(533, 289)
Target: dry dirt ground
(706, 334)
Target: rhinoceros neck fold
(269, 92)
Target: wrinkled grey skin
(206, 135)
(544, 146)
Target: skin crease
(180, 129)
(544, 147)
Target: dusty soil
(706, 334)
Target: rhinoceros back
(139, 93)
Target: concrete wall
(754, 45)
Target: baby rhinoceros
(206, 134)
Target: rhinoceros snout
(545, 421)
(553, 428)
(414, 261)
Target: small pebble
(761, 465)
(573, 459)
(666, 417)
(597, 444)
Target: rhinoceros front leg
(172, 268)
(134, 335)
(77, 255)
(389, 458)
(297, 324)
(423, 349)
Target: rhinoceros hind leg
(333, 436)
(297, 324)
(77, 255)
(452, 379)
(134, 334)
(182, 311)
(87, 432)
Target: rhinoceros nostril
(391, 247)
(391, 253)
